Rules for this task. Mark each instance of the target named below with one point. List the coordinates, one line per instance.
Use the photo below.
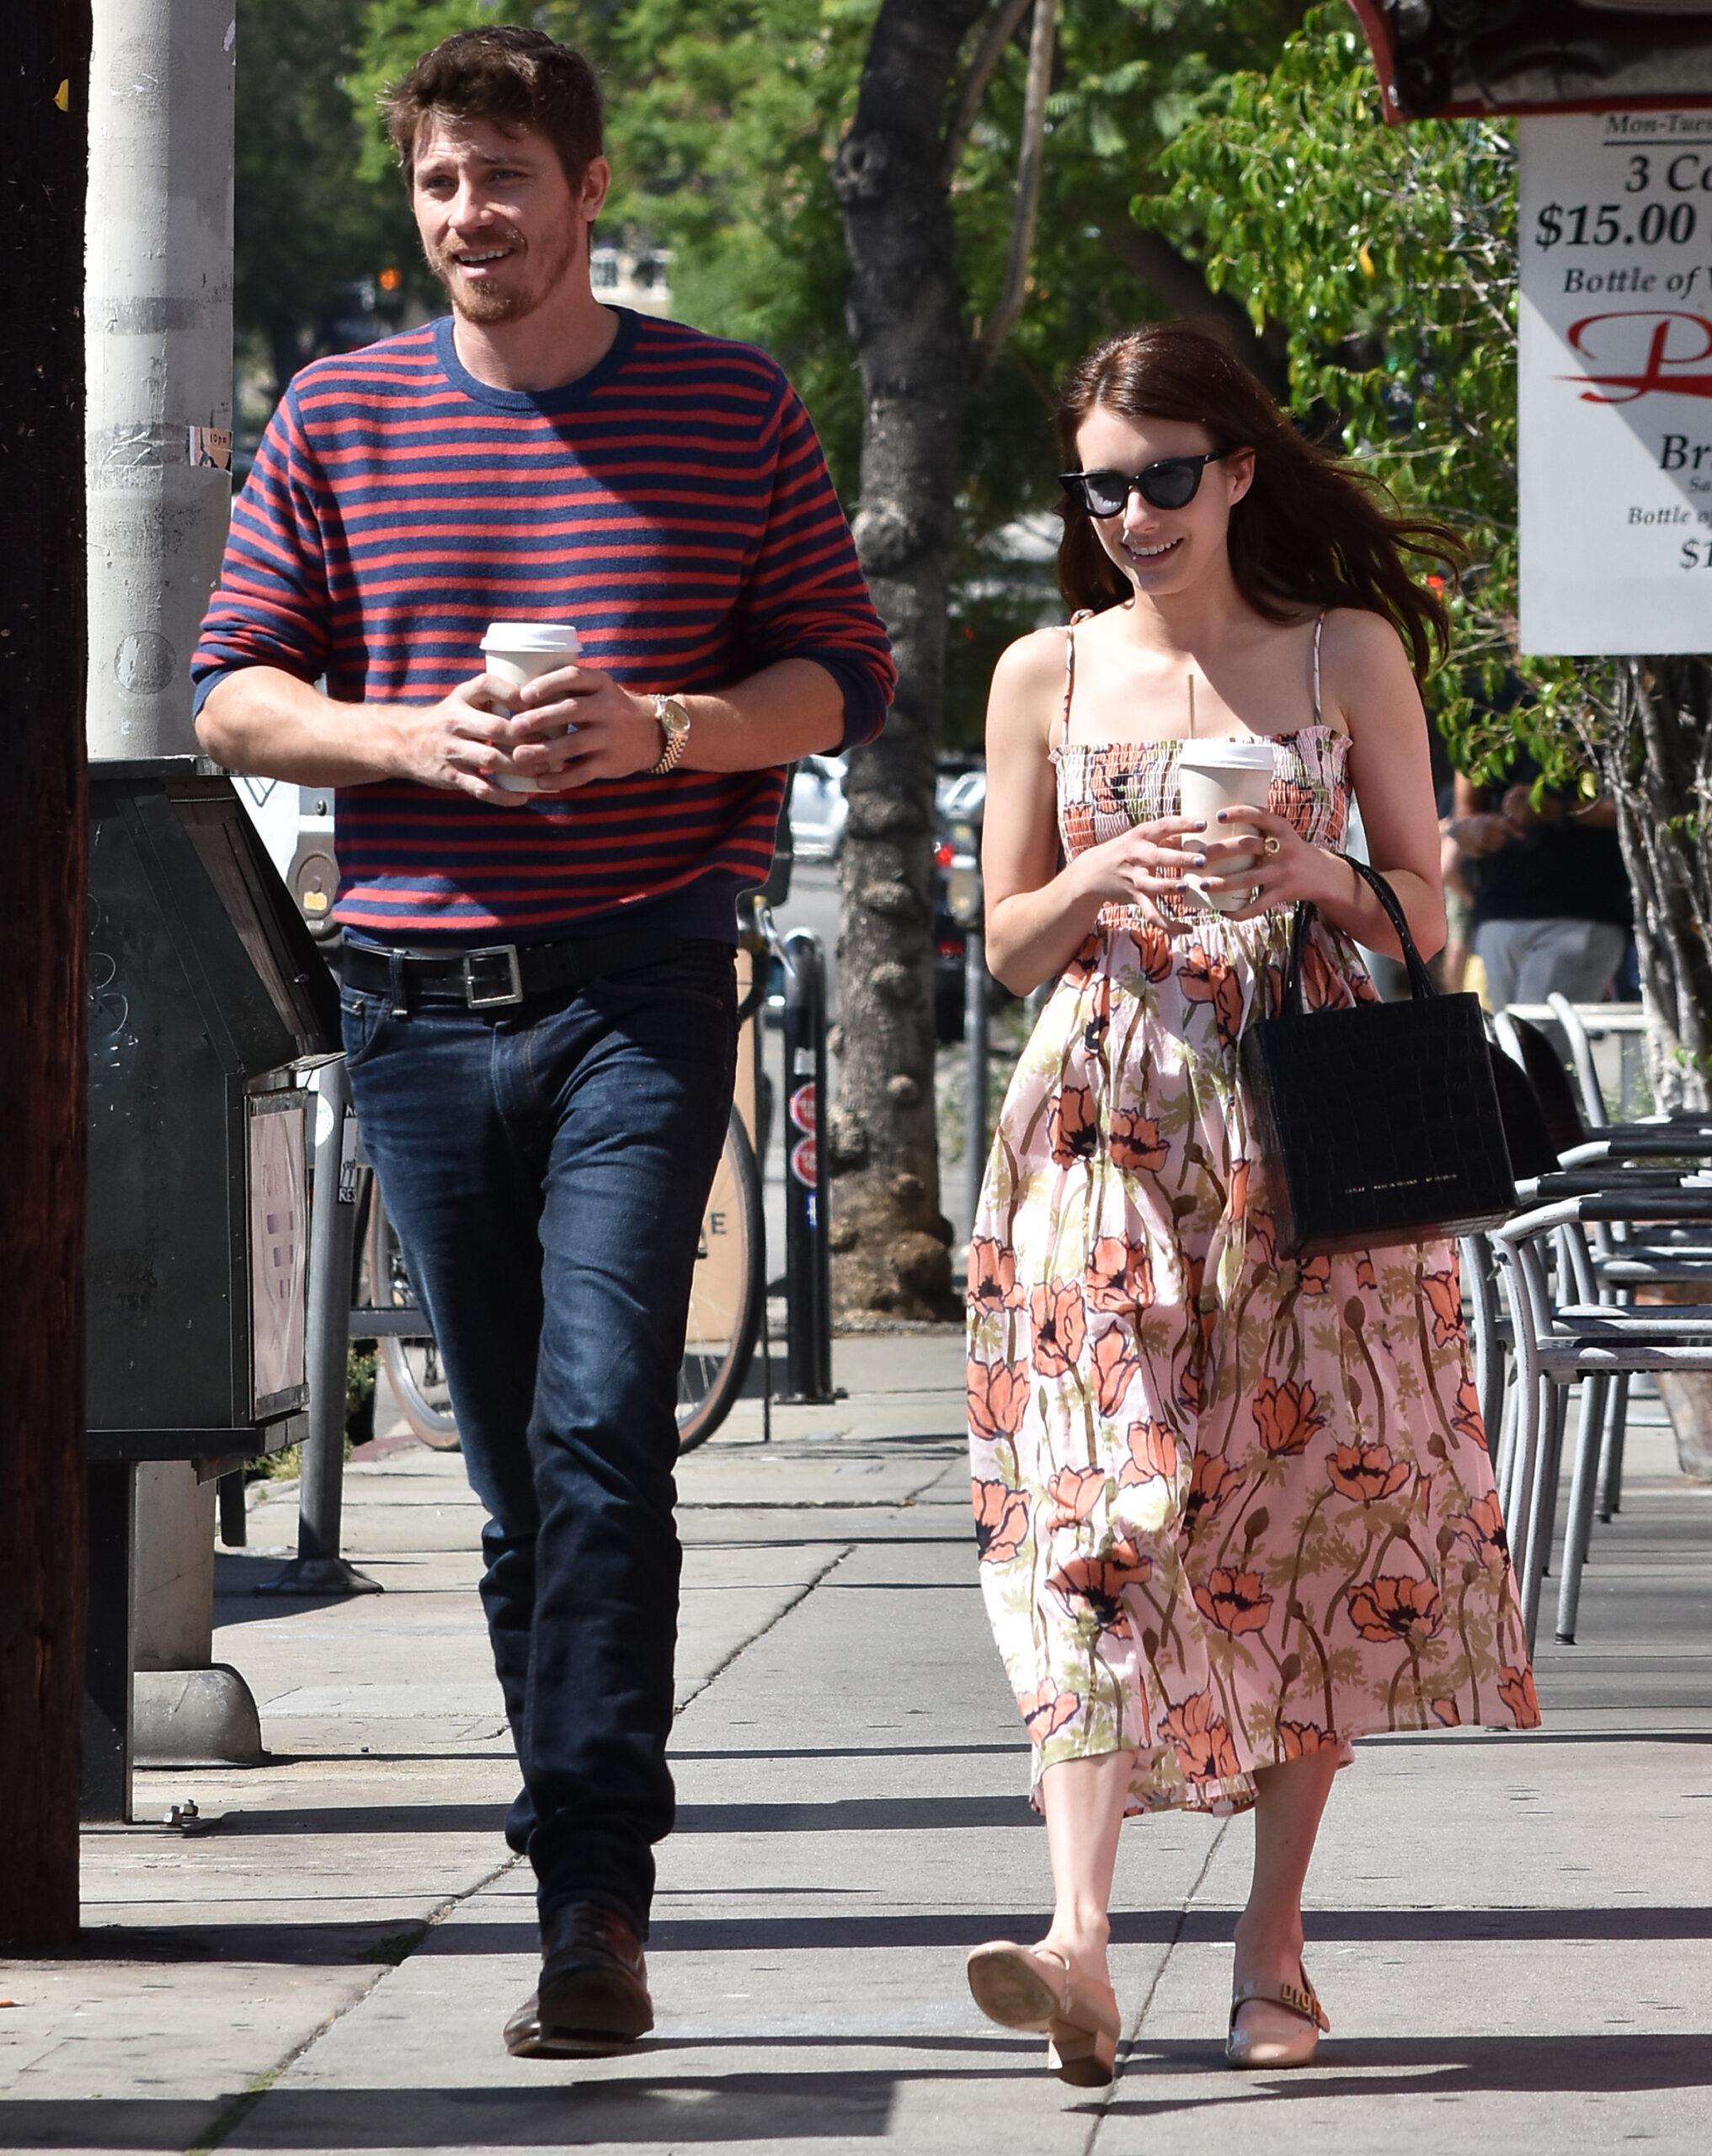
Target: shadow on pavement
(623, 2107)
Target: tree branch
(1179, 282)
(973, 86)
(1006, 315)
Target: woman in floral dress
(1233, 1509)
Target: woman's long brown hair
(1313, 530)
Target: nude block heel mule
(1033, 1988)
(1243, 2050)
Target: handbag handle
(1420, 982)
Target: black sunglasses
(1172, 483)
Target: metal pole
(807, 1257)
(318, 1568)
(975, 1045)
(158, 325)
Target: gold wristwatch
(674, 725)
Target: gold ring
(1269, 845)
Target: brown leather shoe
(592, 1999)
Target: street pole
(43, 825)
(318, 1568)
(159, 331)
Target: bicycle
(727, 1295)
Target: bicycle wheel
(413, 1364)
(726, 1295)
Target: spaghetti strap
(1082, 615)
(1318, 626)
(1064, 740)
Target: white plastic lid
(530, 636)
(1229, 754)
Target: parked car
(819, 808)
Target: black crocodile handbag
(1378, 1123)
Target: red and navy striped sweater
(672, 503)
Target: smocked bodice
(1105, 787)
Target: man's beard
(488, 305)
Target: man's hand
(577, 724)
(458, 743)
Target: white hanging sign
(1614, 394)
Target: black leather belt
(492, 976)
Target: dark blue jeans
(548, 1166)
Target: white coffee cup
(1223, 774)
(519, 652)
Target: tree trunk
(891, 1247)
(44, 106)
(1652, 747)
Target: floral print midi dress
(1231, 1507)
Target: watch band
(674, 725)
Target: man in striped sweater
(537, 986)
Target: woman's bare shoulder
(1033, 662)
(1356, 640)
(1028, 683)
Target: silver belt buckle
(493, 977)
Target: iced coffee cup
(519, 652)
(1215, 774)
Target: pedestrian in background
(1552, 907)
(1233, 1509)
(538, 986)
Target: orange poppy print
(1097, 1584)
(1210, 980)
(1078, 825)
(998, 1397)
(1153, 1451)
(1115, 1369)
(1235, 1602)
(1321, 990)
(1445, 1295)
(1287, 1415)
(1482, 1527)
(1367, 1472)
(1394, 1607)
(1120, 1276)
(1059, 1326)
(1447, 1712)
(1313, 1274)
(1466, 1419)
(1075, 1491)
(1298, 1738)
(1211, 1482)
(1074, 1133)
(1365, 1276)
(1046, 1709)
(1201, 1739)
(1001, 1521)
(992, 1275)
(1153, 956)
(1516, 1689)
(1081, 968)
(1134, 1143)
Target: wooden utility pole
(44, 108)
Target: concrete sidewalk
(1513, 1935)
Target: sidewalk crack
(1146, 2007)
(778, 1617)
(236, 2109)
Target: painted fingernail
(1224, 815)
(1198, 861)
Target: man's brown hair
(515, 77)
